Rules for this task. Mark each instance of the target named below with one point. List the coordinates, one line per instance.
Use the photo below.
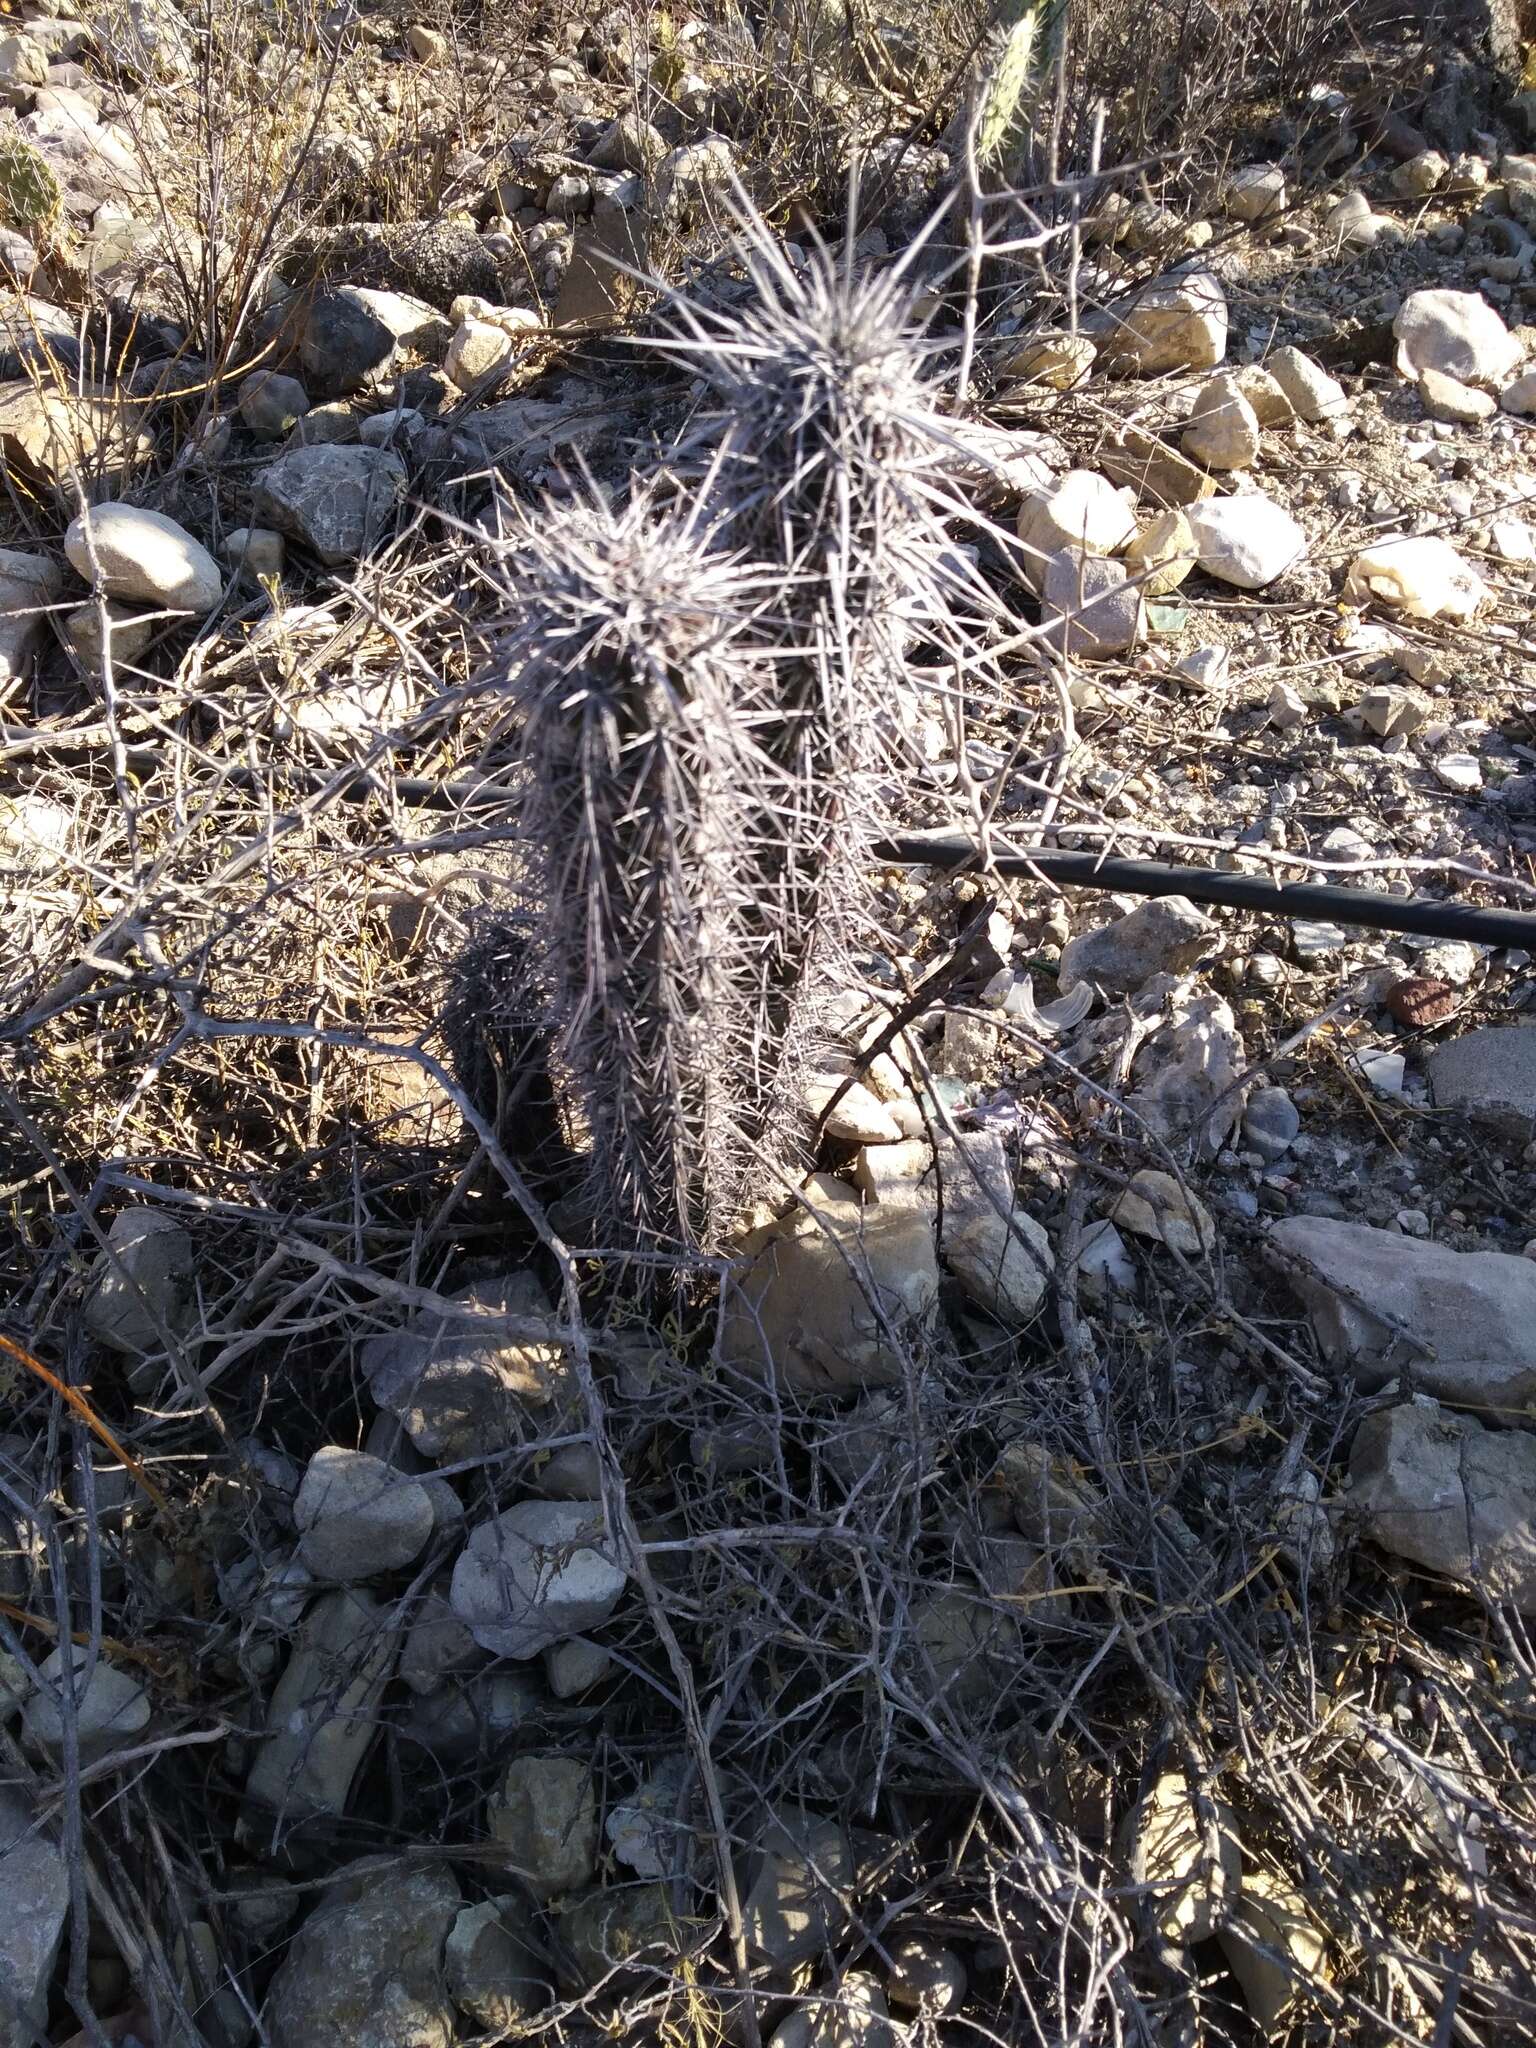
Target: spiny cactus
(642, 791)
(829, 460)
(31, 197)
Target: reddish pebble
(1418, 1002)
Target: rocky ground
(1078, 1585)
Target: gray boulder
(462, 1379)
(1381, 1302)
(109, 1706)
(1165, 935)
(145, 1284)
(1448, 1494)
(144, 557)
(1000, 1255)
(34, 1884)
(544, 1814)
(337, 500)
(353, 335)
(535, 1575)
(357, 1516)
(366, 1969)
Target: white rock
(1352, 224)
(1285, 708)
(535, 1575)
(1385, 1072)
(144, 556)
(1458, 333)
(1257, 192)
(1317, 397)
(1162, 554)
(1247, 541)
(492, 1966)
(1420, 175)
(1514, 541)
(481, 348)
(256, 550)
(1223, 431)
(850, 2014)
(110, 1709)
(925, 1977)
(1055, 362)
(1177, 323)
(357, 1516)
(1460, 772)
(1457, 404)
(860, 1117)
(1105, 1267)
(1082, 512)
(1468, 1316)
(1001, 464)
(1417, 575)
(1188, 1075)
(1164, 935)
(1519, 397)
(1446, 1493)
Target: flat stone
(1444, 1492)
(1491, 1074)
(1459, 405)
(1273, 1945)
(1153, 1205)
(535, 1575)
(1418, 576)
(57, 438)
(111, 1708)
(1381, 1303)
(1153, 469)
(357, 1516)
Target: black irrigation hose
(1322, 901)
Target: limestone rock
(1316, 397)
(1460, 405)
(337, 500)
(357, 1516)
(1417, 575)
(1188, 1075)
(492, 1965)
(1491, 1074)
(1256, 193)
(1162, 554)
(1223, 430)
(462, 1380)
(1171, 1854)
(1001, 465)
(1273, 1946)
(1000, 1255)
(1458, 333)
(58, 437)
(256, 551)
(1154, 1205)
(544, 1814)
(852, 2013)
(1164, 935)
(1247, 540)
(801, 1306)
(1446, 1493)
(1054, 362)
(271, 404)
(925, 1976)
(535, 1575)
(1079, 513)
(365, 1970)
(147, 1283)
(110, 1708)
(322, 1718)
(1090, 607)
(1380, 1301)
(1177, 323)
(1153, 469)
(796, 1892)
(144, 557)
(29, 584)
(34, 1883)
